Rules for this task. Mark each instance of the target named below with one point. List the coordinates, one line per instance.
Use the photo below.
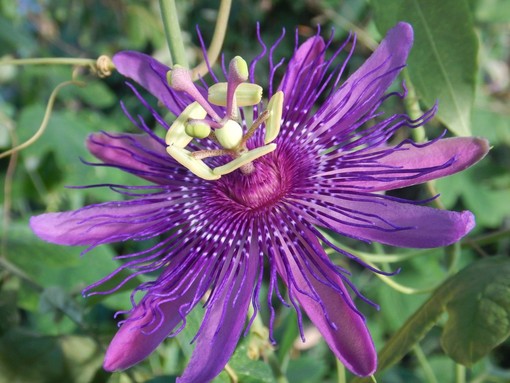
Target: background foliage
(461, 58)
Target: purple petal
(103, 223)
(223, 323)
(151, 74)
(380, 219)
(136, 153)
(297, 77)
(350, 339)
(363, 90)
(149, 324)
(410, 165)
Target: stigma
(200, 121)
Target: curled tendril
(46, 118)
(104, 66)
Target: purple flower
(323, 167)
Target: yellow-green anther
(238, 70)
(197, 130)
(176, 135)
(230, 135)
(244, 159)
(247, 94)
(273, 122)
(197, 167)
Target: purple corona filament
(332, 161)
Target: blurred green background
(50, 334)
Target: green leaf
(478, 302)
(478, 311)
(53, 265)
(493, 11)
(29, 358)
(8, 311)
(442, 63)
(26, 358)
(306, 369)
(54, 298)
(95, 93)
(248, 370)
(484, 189)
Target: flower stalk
(173, 33)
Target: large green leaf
(442, 63)
(477, 300)
(479, 311)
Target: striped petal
(151, 74)
(149, 324)
(103, 223)
(300, 73)
(363, 90)
(405, 165)
(320, 291)
(388, 221)
(224, 319)
(139, 154)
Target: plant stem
(413, 108)
(217, 40)
(173, 32)
(460, 373)
(50, 61)
(422, 359)
(14, 270)
(46, 119)
(340, 368)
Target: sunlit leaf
(442, 63)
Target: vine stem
(45, 120)
(425, 365)
(50, 61)
(214, 50)
(173, 33)
(460, 373)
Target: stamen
(196, 166)
(273, 123)
(253, 128)
(244, 159)
(247, 94)
(179, 78)
(201, 154)
(176, 135)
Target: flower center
(262, 188)
(199, 120)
